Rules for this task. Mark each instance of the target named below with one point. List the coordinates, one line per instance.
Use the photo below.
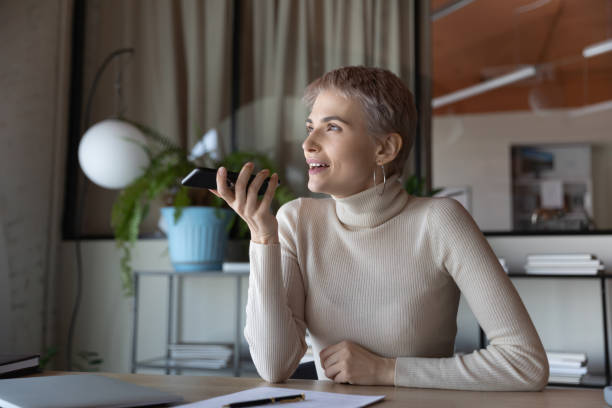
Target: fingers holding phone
(223, 190)
(240, 190)
(252, 198)
(243, 199)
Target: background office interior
(180, 80)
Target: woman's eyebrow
(328, 118)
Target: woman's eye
(331, 126)
(308, 130)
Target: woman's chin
(315, 187)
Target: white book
(565, 356)
(555, 370)
(200, 351)
(199, 347)
(207, 351)
(566, 264)
(211, 349)
(564, 380)
(210, 356)
(599, 267)
(566, 363)
(561, 271)
(558, 257)
(562, 375)
(192, 363)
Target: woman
(373, 273)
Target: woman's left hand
(347, 362)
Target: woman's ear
(388, 148)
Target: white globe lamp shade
(111, 153)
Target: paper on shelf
(560, 257)
(314, 399)
(555, 356)
(551, 193)
(567, 371)
(236, 267)
(564, 380)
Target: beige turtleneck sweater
(386, 272)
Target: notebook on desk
(78, 390)
(15, 365)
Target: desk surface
(203, 387)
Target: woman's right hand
(256, 213)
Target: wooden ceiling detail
(488, 38)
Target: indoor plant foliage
(169, 164)
(417, 186)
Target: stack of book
(563, 264)
(566, 368)
(200, 355)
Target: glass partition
(237, 67)
(523, 111)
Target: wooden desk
(199, 388)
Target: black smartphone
(203, 177)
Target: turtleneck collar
(368, 209)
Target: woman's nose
(310, 144)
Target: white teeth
(312, 165)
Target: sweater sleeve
(275, 328)
(515, 359)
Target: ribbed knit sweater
(386, 272)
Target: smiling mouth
(317, 168)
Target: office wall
(34, 85)
(566, 313)
(474, 150)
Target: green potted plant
(195, 212)
(417, 186)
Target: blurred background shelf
(220, 358)
(247, 368)
(588, 380)
(603, 275)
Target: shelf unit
(239, 365)
(165, 362)
(588, 381)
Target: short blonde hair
(387, 103)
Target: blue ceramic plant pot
(197, 241)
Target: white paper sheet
(314, 399)
(551, 193)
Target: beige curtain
(287, 44)
(179, 80)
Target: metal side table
(166, 362)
